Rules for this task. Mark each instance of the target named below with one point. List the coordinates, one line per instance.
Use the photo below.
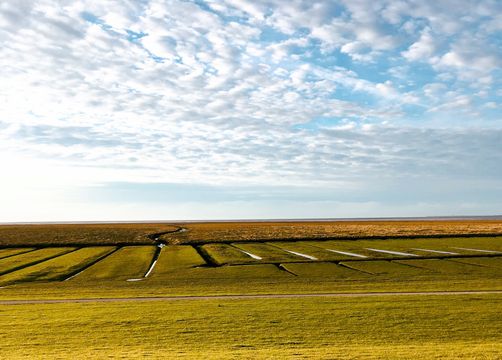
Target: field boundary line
(249, 297)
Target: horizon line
(334, 219)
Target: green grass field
(30, 258)
(395, 327)
(58, 268)
(126, 263)
(427, 327)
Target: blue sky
(139, 110)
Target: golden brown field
(245, 231)
(202, 232)
(81, 234)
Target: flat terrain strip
(382, 267)
(237, 297)
(22, 260)
(445, 266)
(488, 262)
(57, 268)
(220, 274)
(127, 262)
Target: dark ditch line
(355, 269)
(86, 266)
(282, 268)
(155, 237)
(24, 266)
(204, 254)
(415, 266)
(447, 260)
(21, 253)
(467, 263)
(343, 238)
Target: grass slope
(449, 327)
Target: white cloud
(422, 49)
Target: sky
(228, 109)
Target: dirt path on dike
(245, 297)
